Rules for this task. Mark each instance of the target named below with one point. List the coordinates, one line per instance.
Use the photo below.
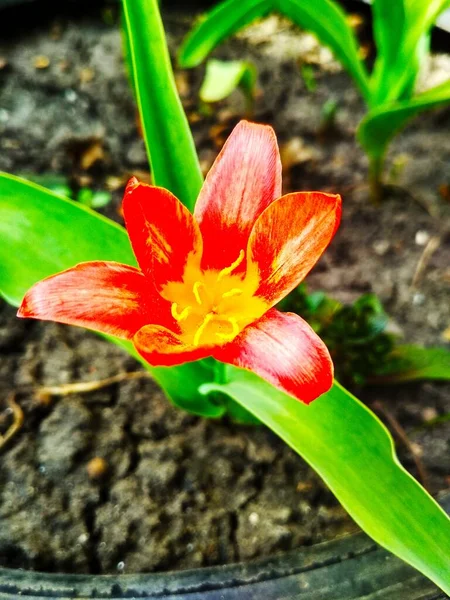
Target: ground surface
(178, 491)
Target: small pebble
(418, 299)
(429, 414)
(422, 237)
(83, 538)
(253, 518)
(97, 467)
(70, 96)
(381, 247)
(41, 62)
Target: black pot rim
(353, 566)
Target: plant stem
(376, 164)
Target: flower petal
(244, 179)
(162, 231)
(289, 238)
(104, 296)
(283, 349)
(162, 347)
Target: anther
(233, 334)
(196, 290)
(209, 317)
(179, 316)
(232, 267)
(232, 292)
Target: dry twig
(17, 423)
(89, 386)
(428, 251)
(403, 437)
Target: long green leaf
(381, 124)
(168, 139)
(388, 16)
(354, 454)
(42, 233)
(327, 20)
(411, 42)
(222, 21)
(408, 362)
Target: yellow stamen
(209, 317)
(196, 290)
(233, 292)
(233, 334)
(232, 267)
(179, 316)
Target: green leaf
(223, 77)
(328, 21)
(401, 67)
(43, 233)
(408, 362)
(381, 124)
(220, 23)
(168, 139)
(353, 452)
(388, 16)
(93, 199)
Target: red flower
(208, 282)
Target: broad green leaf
(43, 233)
(328, 21)
(381, 124)
(220, 23)
(353, 452)
(408, 362)
(223, 77)
(168, 139)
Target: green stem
(376, 164)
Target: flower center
(212, 307)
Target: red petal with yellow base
(163, 348)
(284, 350)
(162, 231)
(244, 179)
(288, 239)
(104, 296)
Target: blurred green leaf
(402, 64)
(93, 198)
(354, 333)
(380, 125)
(167, 136)
(353, 452)
(221, 22)
(309, 79)
(388, 16)
(328, 21)
(223, 77)
(408, 362)
(43, 234)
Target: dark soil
(179, 491)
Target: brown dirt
(180, 491)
